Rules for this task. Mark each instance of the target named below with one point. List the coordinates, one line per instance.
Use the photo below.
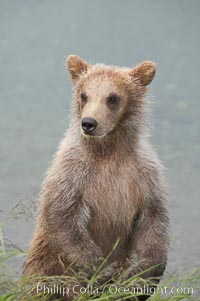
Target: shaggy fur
(104, 187)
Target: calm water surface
(35, 94)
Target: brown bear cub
(105, 183)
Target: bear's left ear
(144, 72)
(76, 66)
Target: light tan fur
(106, 186)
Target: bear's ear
(76, 66)
(144, 72)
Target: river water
(35, 95)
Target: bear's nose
(88, 125)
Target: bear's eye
(83, 98)
(113, 100)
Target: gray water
(35, 95)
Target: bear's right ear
(76, 67)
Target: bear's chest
(112, 194)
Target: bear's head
(106, 97)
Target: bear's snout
(88, 125)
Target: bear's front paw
(110, 274)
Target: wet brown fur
(100, 189)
